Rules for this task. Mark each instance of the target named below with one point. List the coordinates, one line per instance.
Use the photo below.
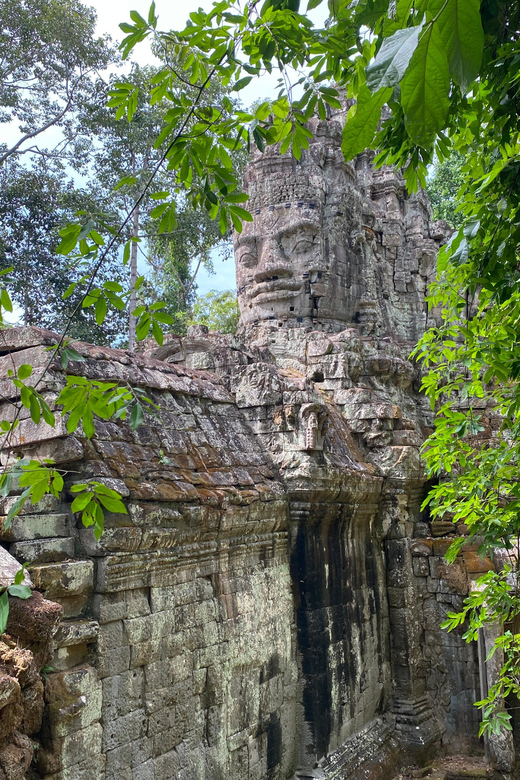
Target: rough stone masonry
(269, 608)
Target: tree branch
(27, 136)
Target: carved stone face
(298, 263)
(333, 244)
(279, 256)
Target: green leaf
(393, 58)
(158, 210)
(136, 416)
(99, 520)
(157, 332)
(143, 326)
(113, 286)
(236, 222)
(16, 507)
(25, 371)
(137, 18)
(241, 83)
(20, 591)
(222, 220)
(81, 502)
(69, 353)
(4, 611)
(126, 253)
(368, 12)
(132, 104)
(461, 32)
(96, 237)
(166, 319)
(70, 289)
(425, 89)
(359, 129)
(47, 415)
(70, 236)
(125, 181)
(101, 310)
(87, 422)
(25, 393)
(78, 488)
(35, 409)
(242, 213)
(160, 195)
(113, 504)
(5, 300)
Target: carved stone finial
(314, 418)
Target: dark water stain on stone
(274, 744)
(336, 582)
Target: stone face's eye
(248, 259)
(302, 246)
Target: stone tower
(269, 608)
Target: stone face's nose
(272, 263)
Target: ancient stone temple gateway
(269, 608)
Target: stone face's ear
(314, 419)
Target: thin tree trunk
(26, 302)
(132, 321)
(191, 283)
(133, 278)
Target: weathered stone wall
(177, 654)
(450, 665)
(252, 615)
(259, 611)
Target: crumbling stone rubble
(25, 647)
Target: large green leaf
(425, 89)
(371, 11)
(461, 32)
(4, 611)
(360, 128)
(393, 58)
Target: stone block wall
(450, 664)
(197, 675)
(260, 612)
(176, 654)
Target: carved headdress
(272, 178)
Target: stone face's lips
(279, 288)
